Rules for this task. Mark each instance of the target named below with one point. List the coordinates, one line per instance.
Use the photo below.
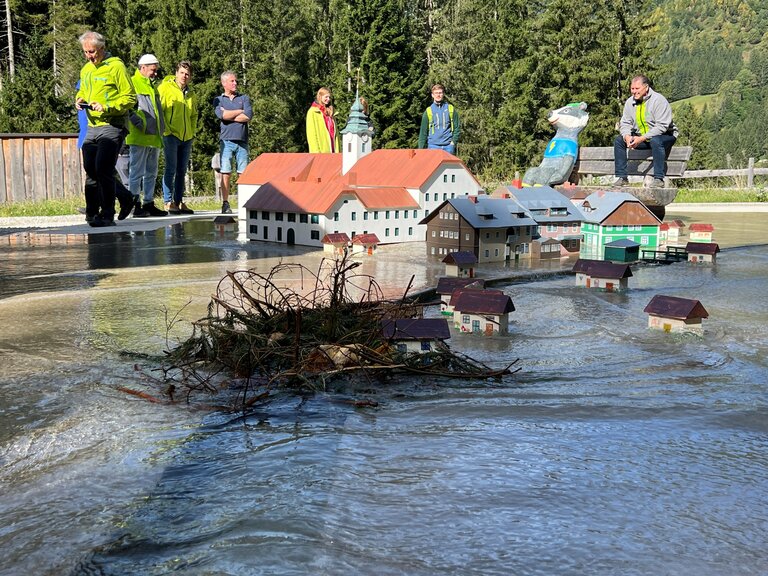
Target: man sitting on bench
(645, 124)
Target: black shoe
(90, 218)
(100, 222)
(152, 210)
(139, 211)
(225, 209)
(620, 183)
(125, 209)
(184, 209)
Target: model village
(351, 203)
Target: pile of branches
(292, 327)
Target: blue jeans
(230, 148)
(142, 172)
(176, 161)
(450, 148)
(659, 146)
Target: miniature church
(300, 198)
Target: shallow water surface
(615, 449)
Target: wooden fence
(38, 167)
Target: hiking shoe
(657, 183)
(139, 211)
(125, 209)
(225, 209)
(152, 210)
(172, 208)
(620, 183)
(184, 209)
(101, 222)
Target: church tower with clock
(357, 139)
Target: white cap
(148, 59)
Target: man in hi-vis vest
(440, 123)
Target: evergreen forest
(505, 63)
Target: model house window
(254, 229)
(426, 197)
(434, 233)
(410, 231)
(466, 237)
(354, 216)
(291, 217)
(405, 213)
(426, 213)
(608, 239)
(487, 235)
(397, 214)
(445, 177)
(442, 234)
(314, 234)
(279, 234)
(265, 233)
(619, 228)
(365, 215)
(386, 231)
(386, 214)
(487, 253)
(415, 214)
(551, 228)
(609, 228)
(335, 216)
(253, 214)
(453, 178)
(397, 231)
(465, 319)
(279, 216)
(375, 215)
(644, 240)
(496, 252)
(314, 219)
(432, 251)
(426, 346)
(475, 325)
(453, 195)
(303, 218)
(265, 215)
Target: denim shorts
(229, 148)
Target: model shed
(674, 314)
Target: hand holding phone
(86, 106)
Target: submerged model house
(420, 335)
(493, 229)
(674, 314)
(460, 264)
(365, 244)
(295, 198)
(611, 216)
(702, 252)
(623, 250)
(671, 231)
(608, 276)
(336, 243)
(555, 215)
(447, 285)
(485, 311)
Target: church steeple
(357, 136)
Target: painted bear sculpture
(562, 150)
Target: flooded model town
(179, 396)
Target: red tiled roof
(401, 167)
(381, 197)
(365, 239)
(674, 307)
(336, 238)
(697, 227)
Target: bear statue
(562, 150)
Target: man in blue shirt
(440, 123)
(234, 110)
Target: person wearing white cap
(145, 138)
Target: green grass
(713, 195)
(70, 206)
(699, 103)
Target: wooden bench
(598, 161)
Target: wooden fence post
(751, 173)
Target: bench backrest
(599, 161)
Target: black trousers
(100, 149)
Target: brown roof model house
(416, 334)
(674, 314)
(702, 252)
(484, 311)
(608, 276)
(700, 232)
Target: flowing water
(614, 450)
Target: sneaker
(125, 210)
(225, 209)
(152, 210)
(139, 211)
(620, 183)
(184, 209)
(172, 208)
(657, 183)
(90, 218)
